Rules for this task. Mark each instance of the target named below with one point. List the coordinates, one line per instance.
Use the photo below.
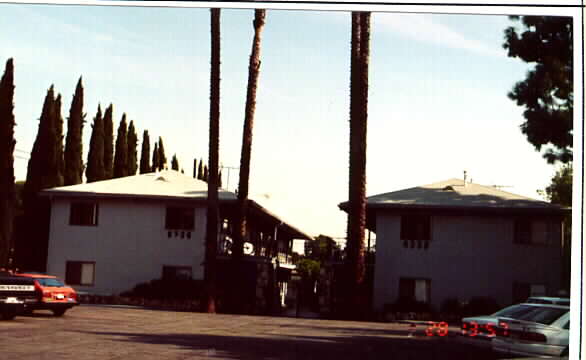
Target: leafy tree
(121, 155)
(156, 157)
(145, 153)
(213, 210)
(7, 186)
(322, 248)
(360, 55)
(108, 143)
(547, 91)
(560, 190)
(95, 170)
(73, 156)
(162, 157)
(174, 162)
(250, 108)
(131, 142)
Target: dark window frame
(80, 213)
(180, 218)
(523, 231)
(72, 279)
(407, 288)
(416, 227)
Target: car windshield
(543, 315)
(50, 282)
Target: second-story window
(83, 214)
(179, 218)
(415, 227)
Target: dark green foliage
(322, 248)
(220, 179)
(109, 143)
(145, 154)
(560, 190)
(195, 168)
(156, 157)
(95, 162)
(73, 143)
(132, 142)
(43, 172)
(206, 173)
(121, 155)
(162, 157)
(547, 92)
(200, 170)
(7, 143)
(174, 163)
(308, 269)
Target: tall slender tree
(195, 168)
(95, 170)
(250, 107)
(156, 157)
(360, 55)
(121, 155)
(206, 173)
(200, 170)
(174, 163)
(162, 157)
(7, 187)
(213, 212)
(44, 171)
(132, 142)
(109, 143)
(145, 154)
(73, 142)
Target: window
(181, 218)
(537, 231)
(83, 214)
(176, 272)
(415, 227)
(80, 273)
(415, 289)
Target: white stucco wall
(129, 246)
(468, 256)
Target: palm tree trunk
(214, 146)
(357, 172)
(253, 72)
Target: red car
(52, 294)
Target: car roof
(548, 299)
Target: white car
(480, 330)
(543, 331)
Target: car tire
(565, 352)
(59, 312)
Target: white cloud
(422, 28)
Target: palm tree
(213, 213)
(360, 53)
(253, 72)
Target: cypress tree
(145, 154)
(131, 142)
(7, 187)
(156, 157)
(175, 163)
(206, 173)
(121, 155)
(95, 162)
(162, 157)
(44, 171)
(220, 179)
(200, 170)
(57, 142)
(195, 168)
(109, 143)
(73, 143)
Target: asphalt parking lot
(104, 332)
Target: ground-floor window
(415, 289)
(80, 273)
(176, 272)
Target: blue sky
(437, 104)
